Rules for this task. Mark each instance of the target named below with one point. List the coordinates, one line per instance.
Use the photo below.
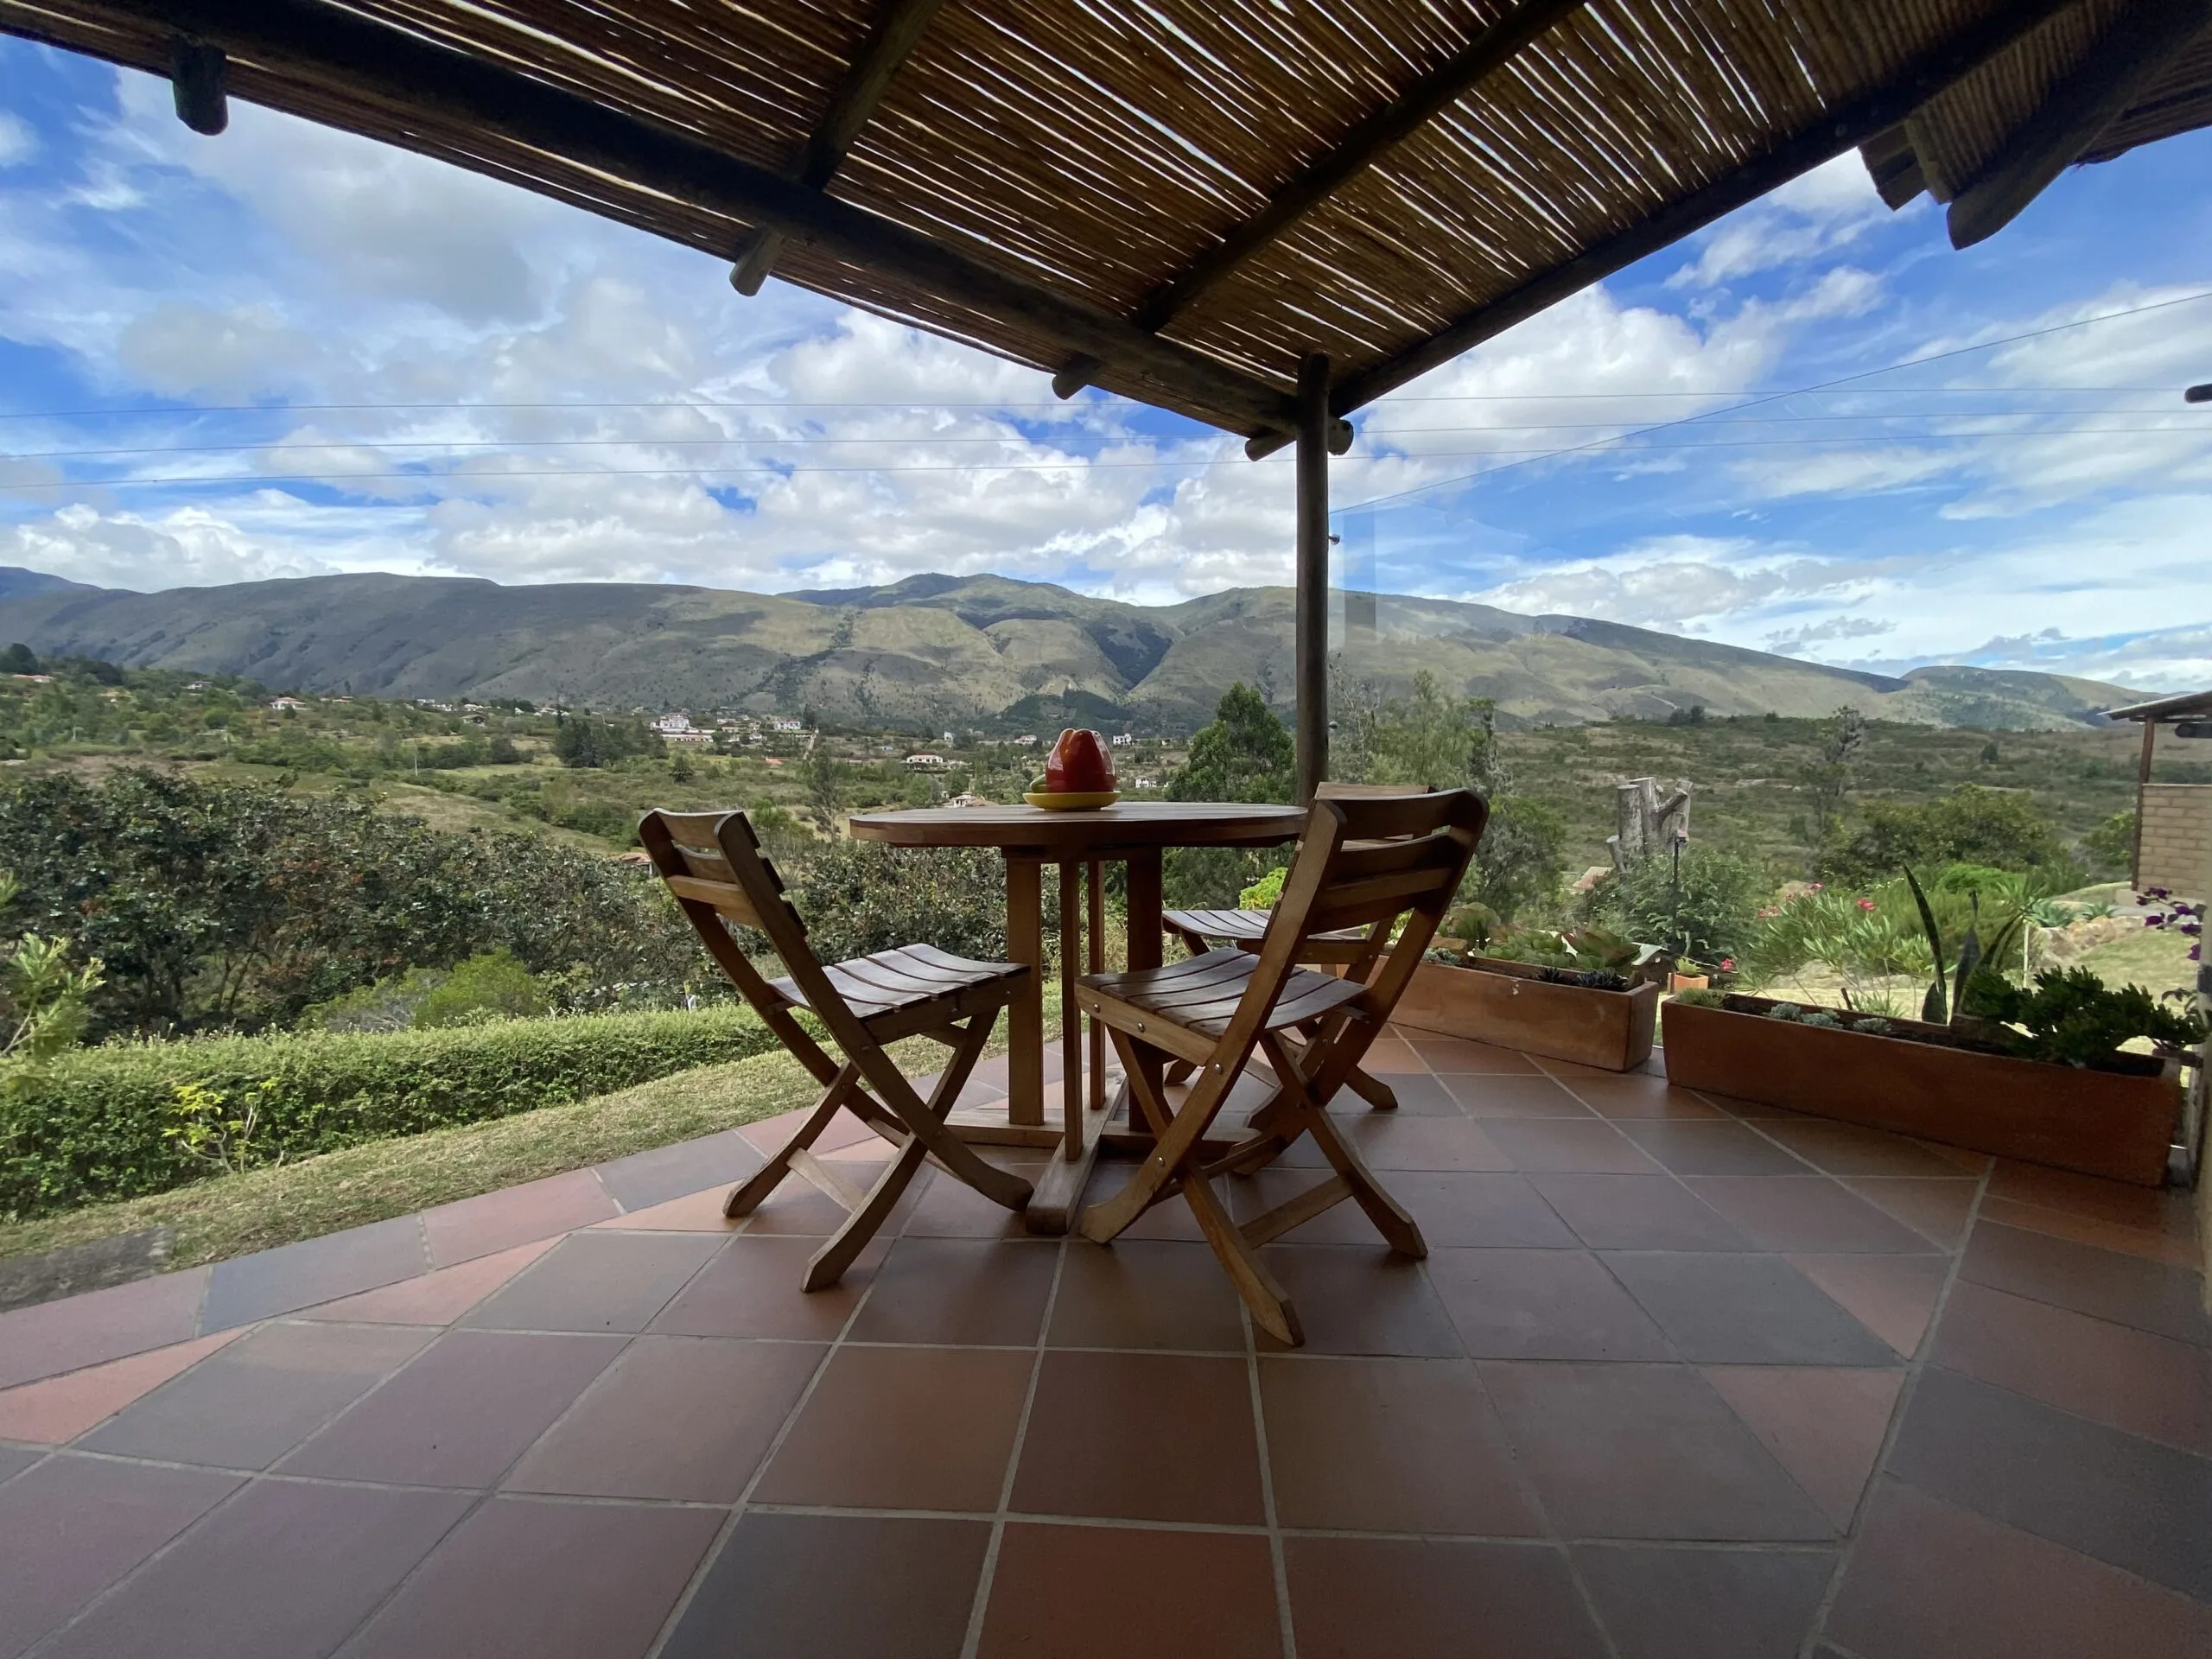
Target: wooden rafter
(2126, 57)
(1368, 141)
(897, 30)
(1940, 69)
(323, 43)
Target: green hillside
(982, 651)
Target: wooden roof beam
(326, 45)
(898, 29)
(2140, 43)
(1368, 141)
(1937, 70)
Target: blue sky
(287, 351)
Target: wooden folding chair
(1353, 951)
(1365, 863)
(713, 864)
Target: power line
(1778, 397)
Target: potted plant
(1583, 996)
(2035, 1072)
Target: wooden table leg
(1094, 962)
(1145, 949)
(1058, 1196)
(1025, 944)
(1071, 1015)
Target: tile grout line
(1916, 1363)
(971, 1640)
(1279, 1567)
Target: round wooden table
(1134, 833)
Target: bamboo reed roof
(1176, 200)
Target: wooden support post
(2142, 797)
(197, 74)
(1312, 669)
(1094, 962)
(1071, 1015)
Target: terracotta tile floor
(1676, 1381)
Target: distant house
(286, 705)
(190, 685)
(926, 762)
(1027, 740)
(779, 724)
(671, 725)
(1123, 740)
(688, 740)
(968, 800)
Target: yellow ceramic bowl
(1075, 801)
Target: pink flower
(1865, 904)
(1727, 964)
(1814, 887)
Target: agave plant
(1944, 1000)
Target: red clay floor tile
(247, 1406)
(1931, 1581)
(1568, 1145)
(60, 1408)
(2175, 1249)
(2126, 1379)
(2129, 1502)
(645, 1179)
(904, 1428)
(283, 1281)
(515, 1215)
(1808, 1212)
(1511, 1095)
(1623, 1451)
(1098, 1592)
(1407, 1599)
(784, 1587)
(1939, 1210)
(1705, 1603)
(1636, 1212)
(461, 1411)
(949, 1207)
(1825, 1426)
(1445, 1055)
(676, 1417)
(1198, 1459)
(967, 1292)
(437, 1298)
(2158, 1210)
(1635, 1095)
(1390, 1142)
(318, 1559)
(51, 1338)
(1718, 1145)
(1894, 1296)
(1748, 1310)
(1389, 1446)
(1846, 1149)
(1542, 1304)
(597, 1281)
(1146, 1293)
(1360, 1300)
(2104, 1284)
(73, 1526)
(553, 1580)
(752, 1289)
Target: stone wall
(2176, 839)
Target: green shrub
(1705, 909)
(97, 1127)
(859, 896)
(1971, 825)
(492, 986)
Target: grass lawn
(235, 1215)
(2157, 958)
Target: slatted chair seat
(1384, 866)
(917, 981)
(1198, 929)
(1201, 993)
(712, 865)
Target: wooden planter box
(2116, 1124)
(1506, 1003)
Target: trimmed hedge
(94, 1129)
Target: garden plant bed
(2119, 1124)
(1511, 1004)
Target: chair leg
(925, 1120)
(1372, 1089)
(1270, 1304)
(827, 1265)
(1391, 1219)
(1104, 1222)
(747, 1195)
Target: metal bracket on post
(1312, 667)
(196, 75)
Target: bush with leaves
(43, 1000)
(858, 897)
(1246, 754)
(2070, 1017)
(492, 986)
(1701, 907)
(127, 1118)
(238, 905)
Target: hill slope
(935, 650)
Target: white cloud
(1815, 215)
(18, 143)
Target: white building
(1124, 739)
(782, 724)
(926, 762)
(1026, 740)
(689, 739)
(668, 725)
(286, 705)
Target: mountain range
(936, 651)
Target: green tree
(1971, 825)
(825, 788)
(44, 999)
(18, 659)
(1522, 859)
(1702, 906)
(1245, 755)
(1827, 777)
(2109, 849)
